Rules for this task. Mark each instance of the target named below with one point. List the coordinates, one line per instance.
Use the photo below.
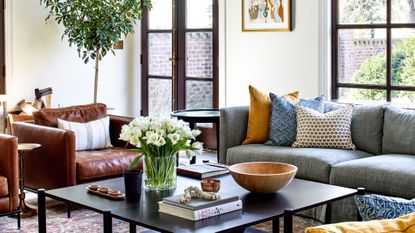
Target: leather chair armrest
(53, 165)
(9, 167)
(116, 123)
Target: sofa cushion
(259, 114)
(373, 206)
(90, 135)
(328, 130)
(283, 122)
(4, 188)
(313, 164)
(80, 113)
(391, 174)
(367, 125)
(95, 164)
(399, 131)
(367, 128)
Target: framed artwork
(266, 15)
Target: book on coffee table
(202, 171)
(199, 214)
(197, 204)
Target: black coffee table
(297, 196)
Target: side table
(26, 211)
(200, 116)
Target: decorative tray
(116, 195)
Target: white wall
(278, 62)
(38, 58)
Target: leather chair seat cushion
(4, 188)
(94, 164)
(4, 204)
(80, 113)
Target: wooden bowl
(263, 177)
(210, 185)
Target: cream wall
(38, 58)
(278, 62)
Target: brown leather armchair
(56, 164)
(9, 181)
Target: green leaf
(134, 163)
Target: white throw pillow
(91, 135)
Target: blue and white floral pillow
(374, 206)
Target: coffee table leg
(107, 222)
(69, 209)
(276, 225)
(327, 218)
(288, 220)
(41, 210)
(133, 228)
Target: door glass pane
(199, 14)
(160, 16)
(403, 11)
(358, 11)
(199, 54)
(199, 94)
(362, 56)
(404, 97)
(159, 96)
(403, 57)
(159, 52)
(356, 95)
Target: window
(373, 50)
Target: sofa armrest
(9, 167)
(53, 165)
(116, 123)
(233, 124)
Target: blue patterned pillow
(283, 121)
(374, 206)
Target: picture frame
(266, 15)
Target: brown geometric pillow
(329, 130)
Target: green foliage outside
(95, 25)
(373, 71)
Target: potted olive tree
(95, 25)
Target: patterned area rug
(83, 220)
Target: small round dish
(94, 187)
(103, 190)
(114, 193)
(210, 185)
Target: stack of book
(198, 209)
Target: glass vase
(159, 172)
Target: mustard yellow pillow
(405, 223)
(259, 115)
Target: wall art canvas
(266, 15)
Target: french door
(179, 56)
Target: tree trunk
(96, 76)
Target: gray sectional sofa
(383, 163)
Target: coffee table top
(298, 195)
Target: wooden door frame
(179, 93)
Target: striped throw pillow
(90, 135)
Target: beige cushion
(329, 130)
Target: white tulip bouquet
(160, 139)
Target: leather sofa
(383, 163)
(9, 180)
(57, 164)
